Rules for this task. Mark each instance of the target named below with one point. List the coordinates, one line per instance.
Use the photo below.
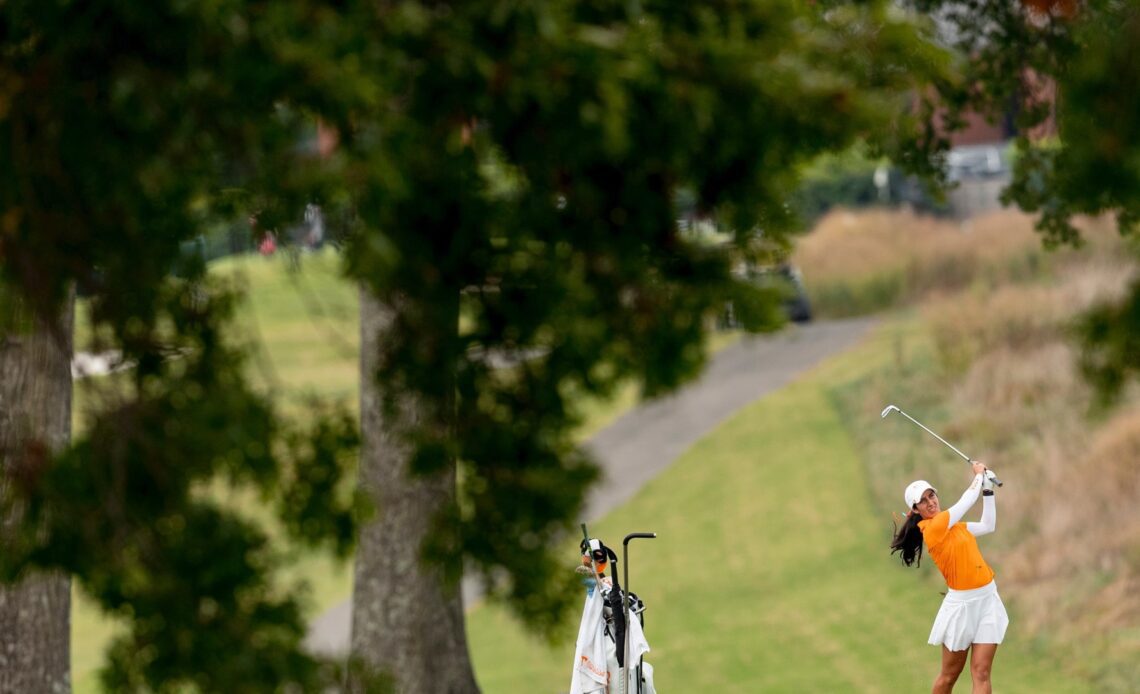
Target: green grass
(770, 571)
(304, 321)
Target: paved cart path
(647, 439)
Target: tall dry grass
(1089, 522)
(1021, 317)
(1076, 573)
(1009, 362)
(997, 374)
(857, 263)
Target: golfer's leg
(952, 664)
(981, 662)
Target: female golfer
(972, 616)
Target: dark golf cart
(784, 277)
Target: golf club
(891, 408)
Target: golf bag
(599, 659)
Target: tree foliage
(521, 158)
(124, 131)
(1072, 65)
(527, 157)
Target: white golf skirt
(970, 616)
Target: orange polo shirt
(955, 552)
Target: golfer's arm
(969, 498)
(989, 518)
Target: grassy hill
(771, 574)
(1001, 377)
(771, 571)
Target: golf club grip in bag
(614, 600)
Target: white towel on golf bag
(647, 677)
(638, 647)
(590, 671)
(595, 655)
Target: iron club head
(887, 410)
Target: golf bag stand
(631, 600)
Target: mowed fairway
(771, 571)
(304, 321)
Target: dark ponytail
(908, 540)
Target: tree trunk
(35, 420)
(405, 620)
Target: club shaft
(964, 456)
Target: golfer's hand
(988, 481)
(979, 467)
